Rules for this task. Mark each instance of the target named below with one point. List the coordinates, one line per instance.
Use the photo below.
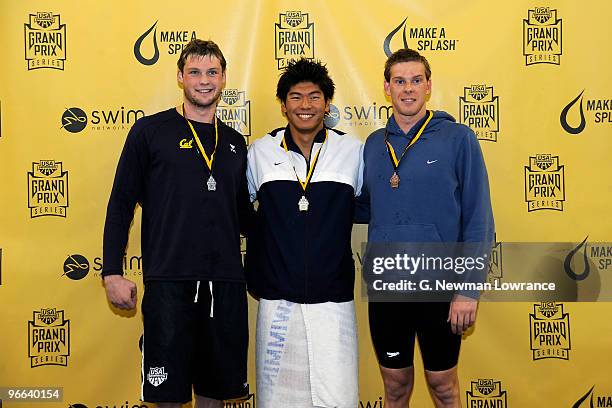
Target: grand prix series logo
(45, 41)
(235, 111)
(247, 402)
(48, 338)
(486, 392)
(542, 37)
(423, 39)
(544, 183)
(294, 37)
(496, 273)
(549, 330)
(146, 48)
(47, 189)
(479, 109)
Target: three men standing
(424, 181)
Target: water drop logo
(568, 262)
(387, 43)
(578, 403)
(138, 46)
(563, 117)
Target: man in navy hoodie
(427, 182)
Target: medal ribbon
(304, 184)
(208, 161)
(391, 151)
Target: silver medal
(211, 184)
(303, 204)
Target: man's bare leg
(398, 386)
(444, 387)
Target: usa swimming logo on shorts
(157, 375)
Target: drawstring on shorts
(212, 298)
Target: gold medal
(394, 180)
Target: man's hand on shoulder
(121, 292)
(462, 313)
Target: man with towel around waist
(299, 261)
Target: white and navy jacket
(303, 256)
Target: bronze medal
(394, 180)
(395, 162)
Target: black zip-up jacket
(188, 232)
(303, 256)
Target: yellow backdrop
(75, 76)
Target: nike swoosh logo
(431, 161)
(276, 164)
(395, 354)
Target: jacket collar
(394, 129)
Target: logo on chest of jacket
(186, 143)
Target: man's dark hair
(406, 55)
(304, 70)
(201, 48)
